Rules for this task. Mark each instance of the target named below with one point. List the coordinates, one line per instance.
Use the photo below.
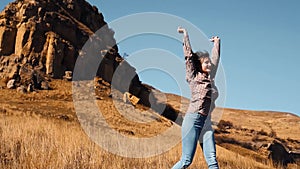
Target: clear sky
(260, 46)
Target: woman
(200, 74)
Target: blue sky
(259, 46)
(260, 43)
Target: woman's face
(206, 65)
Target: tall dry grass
(31, 142)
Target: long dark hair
(199, 57)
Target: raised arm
(215, 59)
(188, 54)
(187, 49)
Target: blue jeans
(192, 125)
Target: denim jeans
(192, 125)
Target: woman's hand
(215, 39)
(181, 30)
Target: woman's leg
(208, 146)
(191, 128)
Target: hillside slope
(56, 106)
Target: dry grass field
(41, 130)
(35, 142)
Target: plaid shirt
(202, 85)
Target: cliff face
(42, 39)
(46, 34)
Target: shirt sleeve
(188, 53)
(187, 49)
(215, 59)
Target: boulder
(21, 89)
(279, 154)
(11, 84)
(130, 98)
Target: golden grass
(40, 130)
(36, 142)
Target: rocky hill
(42, 39)
(46, 35)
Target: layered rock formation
(46, 34)
(41, 39)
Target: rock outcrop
(42, 39)
(47, 34)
